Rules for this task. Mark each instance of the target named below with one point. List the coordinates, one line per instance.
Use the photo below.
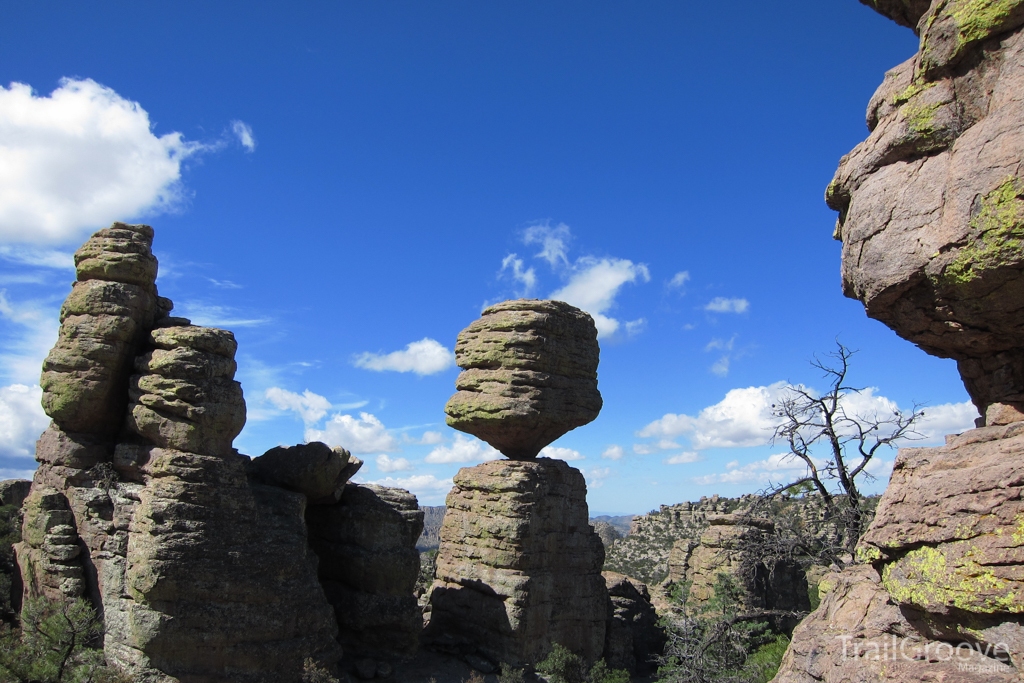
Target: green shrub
(601, 673)
(564, 666)
(509, 674)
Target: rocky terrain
(931, 212)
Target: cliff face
(931, 215)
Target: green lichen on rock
(999, 236)
(920, 118)
(932, 578)
(958, 24)
(911, 91)
(868, 553)
(979, 19)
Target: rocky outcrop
(141, 504)
(728, 549)
(634, 637)
(14, 491)
(313, 469)
(529, 375)
(368, 567)
(519, 567)
(859, 635)
(931, 205)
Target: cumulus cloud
(780, 467)
(427, 487)
(22, 420)
(682, 458)
(613, 452)
(560, 453)
(679, 280)
(366, 434)
(526, 276)
(463, 449)
(243, 131)
(594, 285)
(948, 418)
(424, 357)
(595, 477)
(388, 464)
(80, 158)
(309, 406)
(742, 419)
(720, 304)
(431, 438)
(554, 242)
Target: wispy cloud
(554, 242)
(679, 280)
(526, 276)
(212, 315)
(243, 131)
(36, 324)
(613, 452)
(423, 357)
(40, 258)
(720, 304)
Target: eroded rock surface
(529, 375)
(313, 469)
(634, 637)
(931, 205)
(519, 566)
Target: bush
(601, 673)
(509, 674)
(564, 666)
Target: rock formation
(529, 375)
(197, 558)
(519, 567)
(634, 637)
(931, 215)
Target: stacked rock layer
(198, 559)
(519, 567)
(530, 375)
(931, 215)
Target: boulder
(368, 565)
(519, 566)
(529, 375)
(314, 469)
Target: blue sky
(345, 185)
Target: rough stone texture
(634, 637)
(931, 205)
(858, 635)
(903, 12)
(519, 567)
(607, 533)
(529, 375)
(184, 395)
(14, 491)
(722, 550)
(314, 469)
(948, 537)
(103, 322)
(368, 567)
(144, 507)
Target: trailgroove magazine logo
(965, 655)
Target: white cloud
(424, 357)
(224, 284)
(463, 449)
(22, 420)
(777, 468)
(427, 487)
(654, 447)
(40, 258)
(80, 158)
(388, 464)
(365, 435)
(720, 304)
(613, 452)
(560, 453)
(679, 280)
(594, 285)
(635, 327)
(721, 366)
(527, 276)
(243, 131)
(431, 438)
(554, 242)
(309, 406)
(948, 418)
(742, 419)
(682, 458)
(22, 356)
(212, 315)
(595, 477)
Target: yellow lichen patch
(999, 236)
(868, 553)
(979, 19)
(950, 576)
(1018, 531)
(911, 91)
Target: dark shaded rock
(314, 469)
(519, 567)
(366, 544)
(14, 491)
(634, 637)
(529, 375)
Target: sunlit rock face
(931, 205)
(529, 375)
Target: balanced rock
(529, 375)
(314, 469)
(931, 205)
(519, 566)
